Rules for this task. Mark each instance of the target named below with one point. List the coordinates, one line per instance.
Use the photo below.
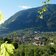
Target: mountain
(29, 18)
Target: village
(34, 40)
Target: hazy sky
(10, 7)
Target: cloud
(24, 7)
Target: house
(39, 41)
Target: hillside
(29, 19)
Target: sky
(10, 7)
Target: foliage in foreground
(31, 50)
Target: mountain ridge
(29, 19)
